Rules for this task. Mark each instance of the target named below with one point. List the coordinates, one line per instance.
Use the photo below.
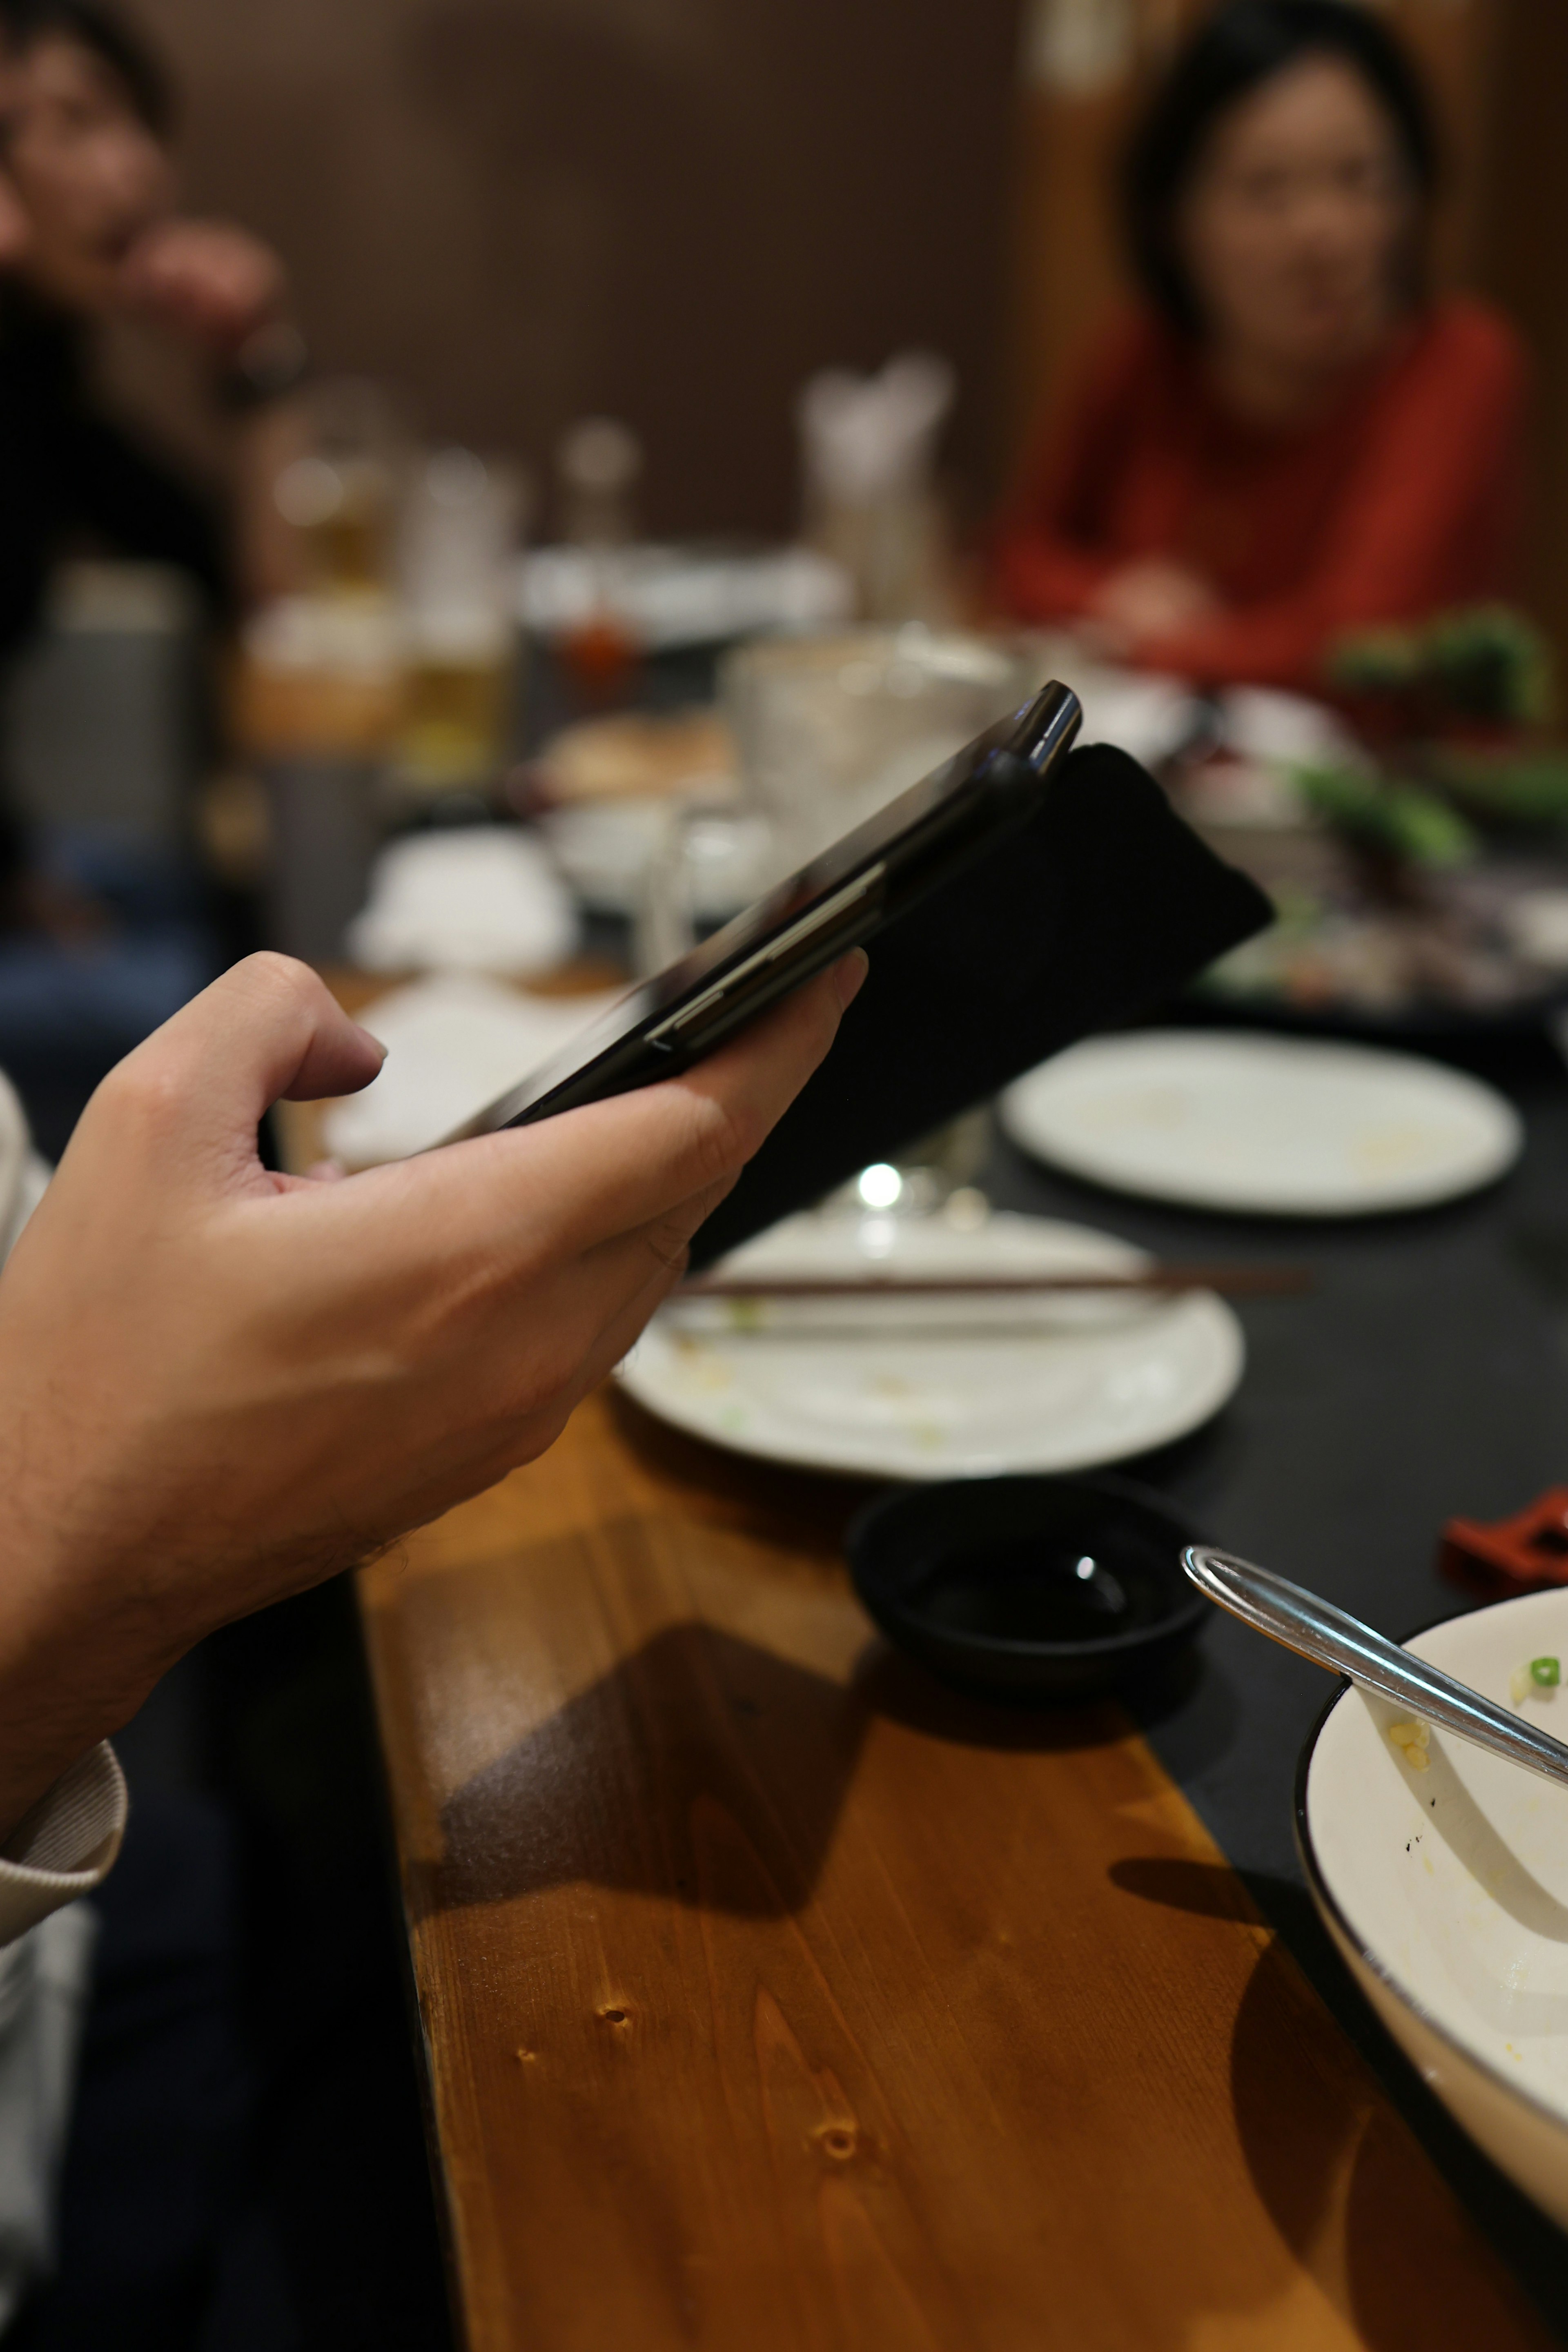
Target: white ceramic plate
(1272, 1126)
(902, 1388)
(1446, 1892)
(454, 1041)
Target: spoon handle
(1289, 1614)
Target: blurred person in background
(1289, 439)
(89, 232)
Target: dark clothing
(69, 479)
(245, 2170)
(73, 483)
(157, 2151)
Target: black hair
(24, 23)
(1242, 44)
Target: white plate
(1446, 1892)
(454, 1041)
(911, 1388)
(1274, 1126)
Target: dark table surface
(1424, 1375)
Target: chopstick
(1233, 1281)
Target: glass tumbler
(828, 729)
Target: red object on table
(600, 656)
(1403, 498)
(1530, 1550)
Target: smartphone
(839, 901)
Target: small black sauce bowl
(1030, 1589)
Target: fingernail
(381, 1051)
(851, 974)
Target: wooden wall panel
(1524, 260)
(524, 209)
(670, 209)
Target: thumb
(268, 1029)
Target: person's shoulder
(1464, 336)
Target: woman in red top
(1289, 442)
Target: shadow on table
(703, 1768)
(1341, 2173)
(890, 1684)
(708, 1770)
(1350, 2186)
(1210, 1890)
(809, 1508)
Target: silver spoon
(1289, 1613)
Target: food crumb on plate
(1411, 1740)
(1535, 1678)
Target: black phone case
(1088, 917)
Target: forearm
(49, 1725)
(71, 1675)
(90, 1616)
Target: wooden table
(774, 1999)
(772, 1996)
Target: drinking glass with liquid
(456, 570)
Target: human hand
(1144, 602)
(219, 1385)
(216, 284)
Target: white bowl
(1446, 1892)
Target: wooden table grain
(774, 1999)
